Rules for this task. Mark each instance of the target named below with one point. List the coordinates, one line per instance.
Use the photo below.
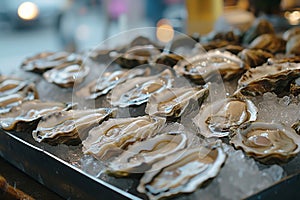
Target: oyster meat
(267, 142)
(28, 113)
(268, 78)
(174, 101)
(139, 157)
(65, 75)
(108, 81)
(202, 67)
(182, 172)
(137, 91)
(216, 119)
(47, 60)
(69, 127)
(113, 136)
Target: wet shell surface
(137, 91)
(268, 78)
(269, 42)
(255, 57)
(28, 113)
(139, 157)
(113, 136)
(267, 142)
(216, 119)
(174, 101)
(108, 81)
(182, 172)
(67, 74)
(47, 60)
(69, 127)
(202, 67)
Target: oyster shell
(174, 101)
(139, 157)
(69, 127)
(168, 59)
(293, 45)
(258, 28)
(291, 59)
(216, 119)
(28, 113)
(108, 81)
(182, 172)
(135, 56)
(291, 32)
(113, 136)
(295, 87)
(269, 42)
(66, 74)
(202, 67)
(47, 60)
(296, 127)
(268, 78)
(255, 57)
(267, 142)
(138, 90)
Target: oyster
(114, 136)
(267, 142)
(293, 45)
(291, 59)
(255, 57)
(47, 60)
(69, 127)
(182, 172)
(295, 87)
(139, 157)
(268, 78)
(108, 81)
(168, 59)
(296, 127)
(66, 74)
(216, 119)
(28, 113)
(291, 32)
(138, 90)
(174, 101)
(258, 28)
(203, 67)
(135, 56)
(269, 42)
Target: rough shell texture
(139, 157)
(69, 127)
(290, 59)
(268, 78)
(258, 28)
(269, 42)
(293, 45)
(181, 172)
(291, 32)
(137, 91)
(267, 142)
(255, 57)
(202, 67)
(296, 127)
(174, 101)
(114, 136)
(108, 81)
(216, 119)
(47, 60)
(295, 87)
(28, 113)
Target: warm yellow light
(164, 31)
(28, 11)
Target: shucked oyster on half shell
(267, 142)
(113, 136)
(28, 113)
(47, 60)
(204, 66)
(108, 81)
(174, 101)
(137, 91)
(66, 74)
(139, 157)
(69, 127)
(268, 78)
(216, 119)
(182, 172)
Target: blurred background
(29, 27)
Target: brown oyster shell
(291, 59)
(296, 127)
(69, 127)
(174, 101)
(291, 32)
(293, 45)
(182, 172)
(267, 142)
(255, 57)
(258, 28)
(217, 118)
(168, 59)
(269, 42)
(137, 91)
(113, 136)
(295, 87)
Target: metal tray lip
(112, 187)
